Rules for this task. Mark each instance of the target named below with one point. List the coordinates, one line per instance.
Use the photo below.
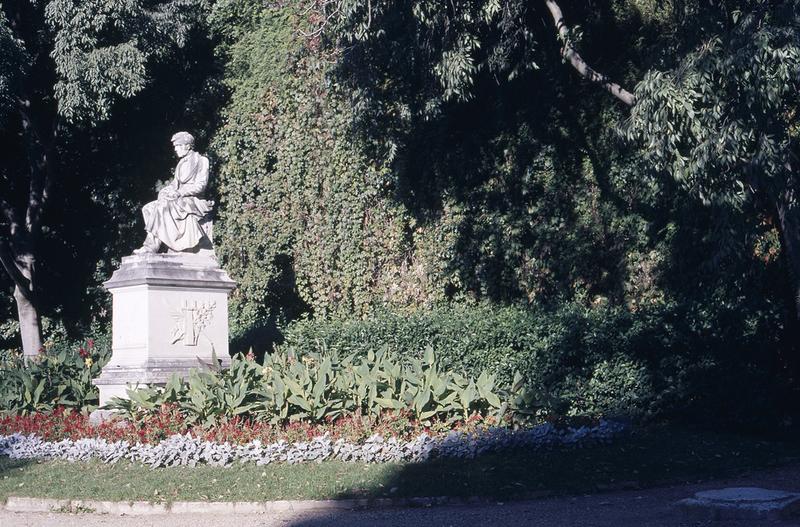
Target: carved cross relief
(190, 320)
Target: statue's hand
(168, 193)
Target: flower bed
(188, 450)
(168, 420)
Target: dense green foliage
(475, 203)
(662, 361)
(60, 376)
(357, 182)
(323, 386)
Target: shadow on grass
(8, 465)
(10, 471)
(656, 457)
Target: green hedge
(657, 362)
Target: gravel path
(635, 508)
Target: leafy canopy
(101, 50)
(12, 67)
(723, 120)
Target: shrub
(658, 361)
(618, 386)
(574, 360)
(60, 376)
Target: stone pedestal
(170, 314)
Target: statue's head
(183, 143)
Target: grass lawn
(658, 455)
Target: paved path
(636, 508)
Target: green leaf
(299, 401)
(389, 403)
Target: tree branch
(8, 212)
(580, 65)
(39, 154)
(324, 19)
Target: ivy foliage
(318, 214)
(303, 218)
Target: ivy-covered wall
(304, 220)
(496, 200)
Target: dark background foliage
(105, 172)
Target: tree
(63, 65)
(715, 110)
(723, 121)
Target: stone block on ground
(741, 503)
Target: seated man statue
(174, 218)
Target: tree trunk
(20, 268)
(29, 326)
(17, 255)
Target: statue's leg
(151, 245)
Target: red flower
(83, 353)
(90, 343)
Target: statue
(174, 218)
(170, 310)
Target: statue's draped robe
(176, 222)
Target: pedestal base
(170, 314)
(115, 380)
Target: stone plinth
(170, 314)
(742, 503)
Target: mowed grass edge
(645, 458)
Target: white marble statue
(174, 218)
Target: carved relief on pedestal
(190, 321)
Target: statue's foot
(144, 249)
(151, 245)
